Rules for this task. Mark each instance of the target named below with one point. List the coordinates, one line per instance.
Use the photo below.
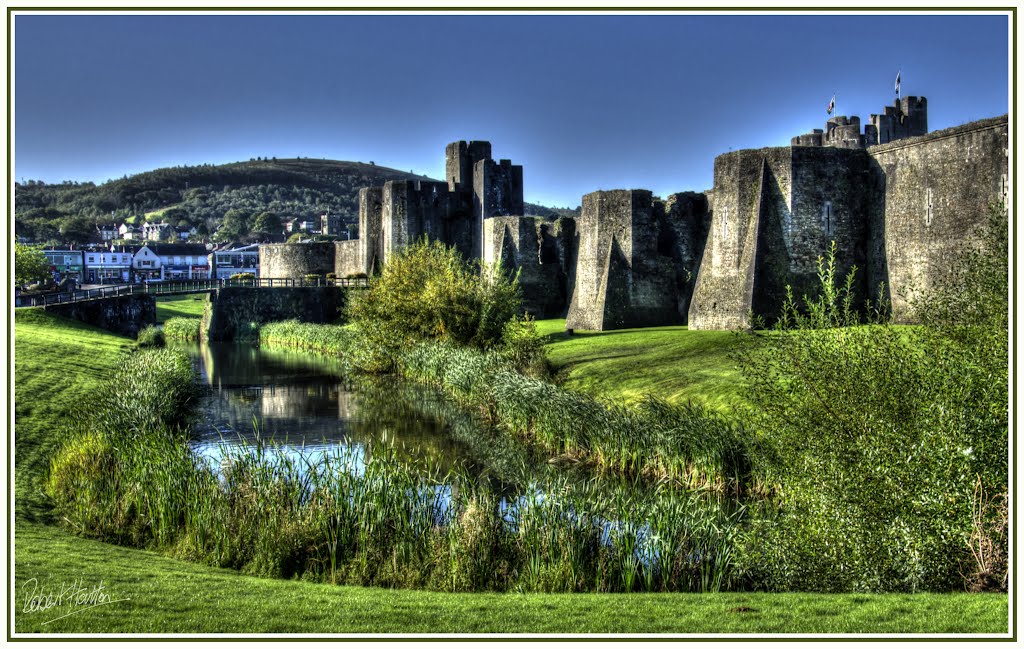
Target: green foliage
(267, 223)
(30, 265)
(523, 347)
(242, 278)
(428, 292)
(182, 329)
(687, 444)
(234, 226)
(150, 336)
(202, 195)
(878, 437)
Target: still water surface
(304, 405)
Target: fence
(181, 288)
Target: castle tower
(907, 117)
(621, 279)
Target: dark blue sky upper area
(582, 102)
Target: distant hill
(199, 196)
(250, 194)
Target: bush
(313, 278)
(243, 278)
(882, 441)
(182, 328)
(428, 292)
(150, 336)
(523, 347)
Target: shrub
(243, 278)
(312, 278)
(523, 347)
(151, 336)
(182, 328)
(877, 438)
(428, 292)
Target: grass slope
(58, 362)
(179, 306)
(171, 596)
(671, 362)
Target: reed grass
(150, 336)
(182, 329)
(691, 444)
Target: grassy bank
(58, 365)
(180, 306)
(673, 363)
(172, 596)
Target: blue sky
(582, 102)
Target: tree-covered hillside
(199, 196)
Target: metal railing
(182, 287)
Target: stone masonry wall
(296, 260)
(621, 280)
(371, 246)
(233, 308)
(723, 293)
(518, 244)
(346, 258)
(937, 189)
(124, 315)
(830, 192)
(685, 233)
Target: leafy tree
(30, 264)
(267, 223)
(886, 446)
(427, 291)
(78, 229)
(234, 226)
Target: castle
(896, 200)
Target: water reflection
(304, 405)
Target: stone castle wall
(898, 212)
(622, 280)
(296, 260)
(529, 247)
(934, 195)
(346, 259)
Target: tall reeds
(690, 444)
(182, 329)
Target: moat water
(304, 405)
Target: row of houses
(148, 232)
(152, 262)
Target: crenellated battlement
(907, 117)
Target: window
(725, 222)
(827, 218)
(928, 207)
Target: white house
(108, 267)
(172, 261)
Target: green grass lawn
(58, 362)
(180, 306)
(170, 596)
(671, 362)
